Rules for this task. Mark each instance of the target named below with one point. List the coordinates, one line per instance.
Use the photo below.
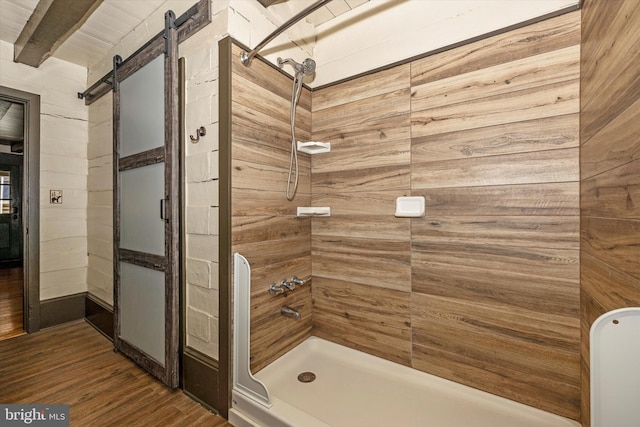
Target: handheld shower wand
(307, 68)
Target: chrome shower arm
(247, 57)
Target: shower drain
(306, 377)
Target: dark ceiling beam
(50, 24)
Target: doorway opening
(19, 212)
(11, 262)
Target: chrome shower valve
(285, 286)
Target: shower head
(307, 67)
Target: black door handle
(163, 210)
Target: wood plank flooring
(73, 364)
(11, 296)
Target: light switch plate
(55, 197)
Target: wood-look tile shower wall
(485, 289)
(264, 225)
(610, 166)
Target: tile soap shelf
(306, 211)
(410, 207)
(314, 147)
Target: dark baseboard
(56, 311)
(200, 378)
(99, 315)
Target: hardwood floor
(73, 364)
(11, 295)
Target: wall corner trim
(99, 314)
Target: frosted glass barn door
(146, 214)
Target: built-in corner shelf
(306, 211)
(314, 147)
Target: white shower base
(353, 389)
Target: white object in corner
(313, 211)
(314, 147)
(410, 207)
(243, 381)
(615, 374)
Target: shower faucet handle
(291, 286)
(278, 288)
(285, 286)
(300, 282)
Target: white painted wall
(63, 166)
(202, 190)
(100, 201)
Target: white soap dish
(313, 211)
(314, 147)
(410, 207)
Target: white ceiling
(333, 9)
(116, 18)
(113, 19)
(13, 15)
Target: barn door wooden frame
(164, 367)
